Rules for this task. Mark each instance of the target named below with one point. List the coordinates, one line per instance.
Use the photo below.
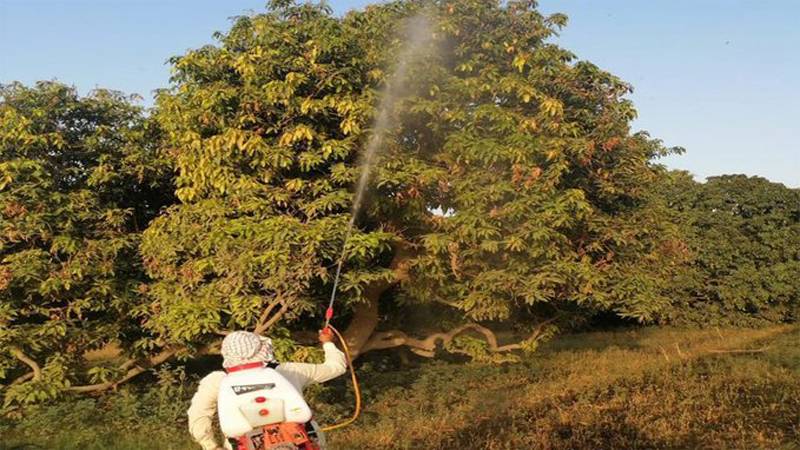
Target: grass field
(645, 388)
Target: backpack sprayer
(328, 326)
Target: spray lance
(329, 311)
(369, 155)
(327, 328)
(374, 142)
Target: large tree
(508, 185)
(80, 178)
(743, 234)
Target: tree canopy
(744, 237)
(526, 154)
(80, 178)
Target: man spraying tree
(259, 401)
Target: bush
(136, 417)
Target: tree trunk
(360, 329)
(365, 315)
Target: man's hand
(325, 335)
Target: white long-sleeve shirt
(204, 403)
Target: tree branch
(23, 378)
(152, 361)
(262, 319)
(37, 371)
(427, 346)
(264, 326)
(164, 355)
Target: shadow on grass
(629, 339)
(717, 403)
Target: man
(241, 348)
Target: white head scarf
(244, 347)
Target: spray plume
(418, 35)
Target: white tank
(251, 398)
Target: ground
(638, 388)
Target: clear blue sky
(718, 77)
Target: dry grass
(641, 389)
(638, 389)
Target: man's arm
(301, 374)
(202, 410)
